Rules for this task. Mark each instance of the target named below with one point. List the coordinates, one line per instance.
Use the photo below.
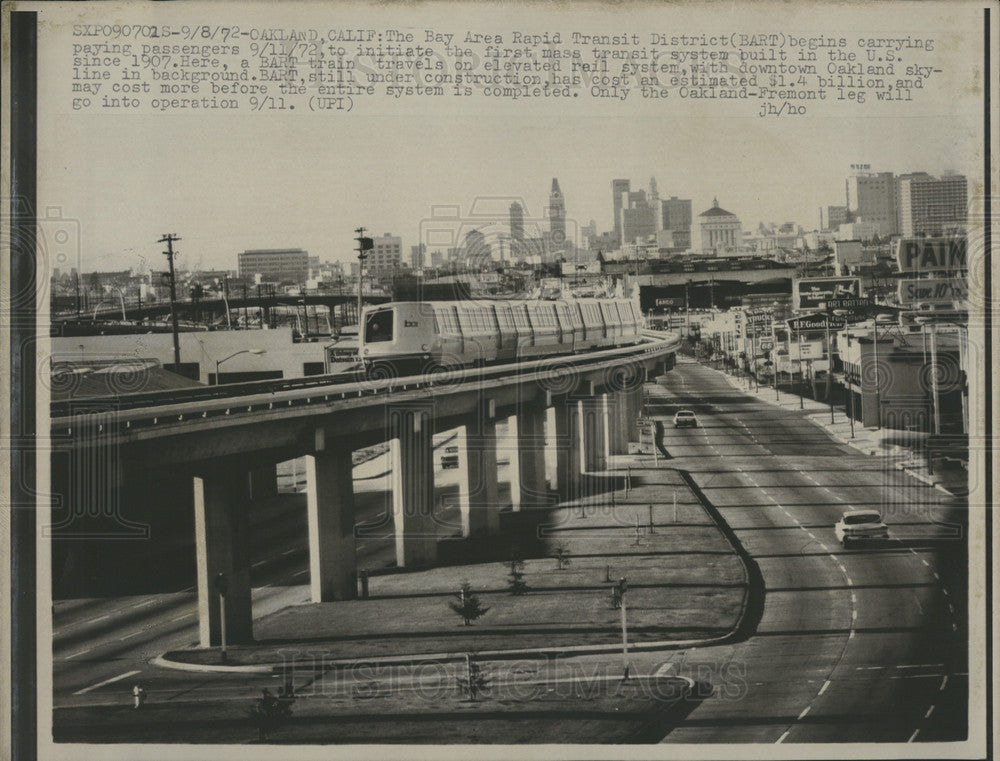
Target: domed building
(717, 232)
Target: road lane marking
(854, 614)
(944, 681)
(782, 738)
(850, 583)
(804, 712)
(133, 634)
(914, 735)
(289, 552)
(180, 618)
(929, 712)
(851, 634)
(936, 576)
(823, 689)
(95, 620)
(944, 591)
(259, 563)
(81, 652)
(126, 675)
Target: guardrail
(133, 411)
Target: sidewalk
(871, 441)
(686, 584)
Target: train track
(253, 396)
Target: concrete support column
(222, 528)
(593, 420)
(412, 457)
(333, 571)
(569, 458)
(617, 423)
(477, 480)
(635, 411)
(509, 448)
(264, 482)
(531, 456)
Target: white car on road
(685, 418)
(860, 525)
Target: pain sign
(927, 254)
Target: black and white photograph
(521, 380)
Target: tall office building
(386, 255)
(274, 265)
(932, 206)
(619, 196)
(516, 223)
(654, 202)
(872, 197)
(557, 215)
(676, 214)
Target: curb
(753, 603)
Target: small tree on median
(562, 556)
(515, 579)
(476, 679)
(468, 605)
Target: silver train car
(414, 337)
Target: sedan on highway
(860, 525)
(685, 418)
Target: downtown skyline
(242, 184)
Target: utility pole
(169, 253)
(364, 244)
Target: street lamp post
(258, 352)
(843, 313)
(878, 379)
(935, 399)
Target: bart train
(405, 338)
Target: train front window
(378, 326)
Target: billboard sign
(927, 254)
(934, 291)
(815, 322)
(815, 292)
(671, 302)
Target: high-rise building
(872, 197)
(835, 217)
(418, 256)
(557, 215)
(619, 197)
(654, 202)
(932, 206)
(386, 255)
(477, 250)
(676, 214)
(516, 222)
(638, 221)
(274, 265)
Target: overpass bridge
(225, 450)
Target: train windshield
(378, 326)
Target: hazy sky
(226, 184)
